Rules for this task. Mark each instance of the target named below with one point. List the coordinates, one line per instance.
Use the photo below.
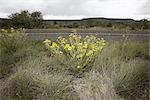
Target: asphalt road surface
(144, 37)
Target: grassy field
(28, 72)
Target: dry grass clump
(95, 86)
(120, 72)
(31, 83)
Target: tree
(5, 23)
(36, 19)
(25, 19)
(21, 20)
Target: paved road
(97, 30)
(108, 36)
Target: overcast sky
(77, 9)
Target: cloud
(70, 7)
(145, 9)
(78, 8)
(10, 6)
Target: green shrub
(11, 40)
(15, 48)
(80, 53)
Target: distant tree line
(25, 19)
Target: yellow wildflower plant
(11, 40)
(80, 52)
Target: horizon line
(111, 18)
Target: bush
(79, 53)
(11, 40)
(14, 48)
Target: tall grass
(15, 47)
(31, 80)
(127, 65)
(120, 72)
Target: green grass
(121, 72)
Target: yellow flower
(90, 52)
(102, 40)
(71, 35)
(93, 46)
(80, 44)
(66, 46)
(46, 41)
(103, 44)
(73, 46)
(85, 46)
(101, 47)
(78, 67)
(80, 56)
(59, 37)
(54, 45)
(63, 40)
(74, 36)
(69, 48)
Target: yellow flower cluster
(47, 42)
(54, 45)
(11, 33)
(76, 48)
(69, 47)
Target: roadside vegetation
(34, 20)
(37, 70)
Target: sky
(78, 9)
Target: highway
(145, 37)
